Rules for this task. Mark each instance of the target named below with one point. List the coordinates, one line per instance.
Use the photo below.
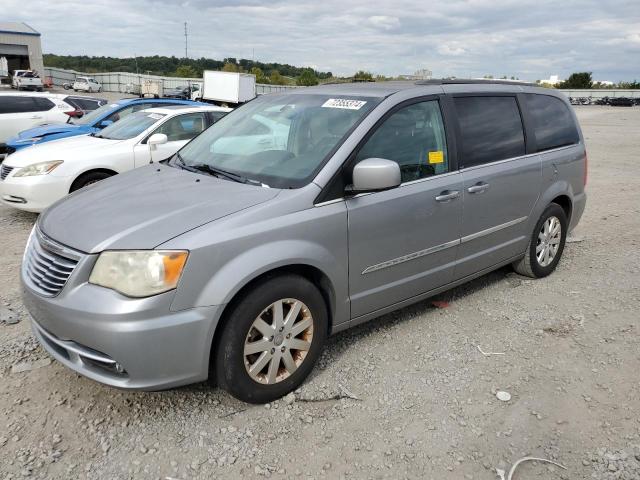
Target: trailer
(226, 87)
(152, 88)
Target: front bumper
(90, 329)
(33, 194)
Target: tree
(307, 78)
(577, 80)
(260, 76)
(186, 71)
(362, 76)
(629, 85)
(230, 67)
(276, 79)
(159, 65)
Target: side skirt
(418, 298)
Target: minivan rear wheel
(271, 340)
(546, 244)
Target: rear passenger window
(491, 129)
(19, 104)
(413, 137)
(553, 124)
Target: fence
(122, 82)
(600, 93)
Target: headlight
(41, 168)
(139, 273)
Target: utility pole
(186, 55)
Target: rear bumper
(579, 204)
(133, 344)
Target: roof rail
(462, 81)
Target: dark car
(182, 91)
(621, 102)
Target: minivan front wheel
(271, 339)
(546, 244)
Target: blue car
(90, 123)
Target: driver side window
(413, 137)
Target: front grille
(45, 267)
(5, 170)
(6, 150)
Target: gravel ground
(406, 396)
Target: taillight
(586, 169)
(75, 113)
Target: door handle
(447, 195)
(35, 117)
(479, 187)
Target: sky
(470, 38)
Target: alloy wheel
(278, 341)
(548, 241)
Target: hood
(50, 129)
(60, 149)
(144, 208)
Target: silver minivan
(299, 215)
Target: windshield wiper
(97, 135)
(220, 173)
(214, 171)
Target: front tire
(546, 244)
(271, 339)
(87, 179)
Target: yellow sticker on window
(436, 157)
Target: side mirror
(375, 174)
(105, 123)
(157, 139)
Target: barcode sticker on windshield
(155, 116)
(344, 103)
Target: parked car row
(21, 111)
(297, 215)
(36, 177)
(93, 122)
(613, 101)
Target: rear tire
(87, 179)
(546, 244)
(271, 321)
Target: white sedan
(35, 177)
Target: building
(423, 74)
(552, 80)
(20, 45)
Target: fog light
(119, 368)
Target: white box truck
(227, 87)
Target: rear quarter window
(553, 124)
(43, 104)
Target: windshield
(92, 117)
(279, 140)
(130, 126)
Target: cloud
(384, 22)
(524, 38)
